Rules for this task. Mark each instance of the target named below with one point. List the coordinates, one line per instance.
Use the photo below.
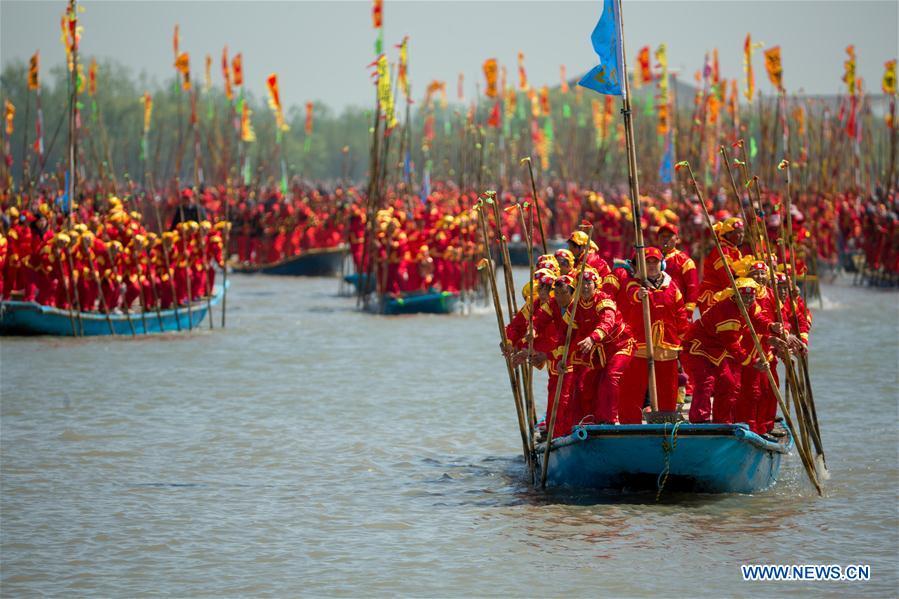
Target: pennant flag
(664, 125)
(207, 80)
(385, 93)
(426, 184)
(377, 14)
(666, 168)
(246, 127)
(564, 86)
(226, 74)
(544, 100)
(176, 42)
(402, 77)
(309, 108)
(34, 66)
(460, 87)
(605, 78)
(643, 60)
(490, 72)
(747, 68)
(774, 67)
(407, 167)
(889, 77)
(849, 73)
(92, 78)
(10, 116)
(522, 74)
(147, 101)
(494, 119)
(182, 65)
(274, 101)
(237, 69)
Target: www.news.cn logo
(806, 572)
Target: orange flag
(10, 115)
(92, 78)
(490, 71)
(34, 65)
(148, 110)
(564, 86)
(182, 64)
(522, 74)
(544, 100)
(774, 67)
(309, 108)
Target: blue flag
(407, 167)
(606, 77)
(666, 169)
(426, 185)
(63, 201)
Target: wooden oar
(536, 202)
(788, 420)
(96, 276)
(75, 290)
(65, 284)
(487, 261)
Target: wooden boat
(518, 250)
(707, 458)
(424, 302)
(31, 318)
(319, 262)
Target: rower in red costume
(603, 346)
(679, 266)
(713, 352)
(714, 274)
(669, 322)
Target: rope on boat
(668, 448)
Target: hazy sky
(320, 49)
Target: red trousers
(635, 382)
(722, 382)
(757, 404)
(564, 417)
(608, 393)
(47, 289)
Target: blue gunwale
(31, 318)
(318, 262)
(713, 458)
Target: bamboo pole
(634, 185)
(491, 274)
(536, 202)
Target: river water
(309, 449)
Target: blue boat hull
(31, 318)
(437, 302)
(313, 263)
(707, 458)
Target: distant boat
(706, 458)
(32, 318)
(319, 262)
(419, 302)
(518, 251)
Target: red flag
(377, 13)
(494, 119)
(643, 59)
(237, 68)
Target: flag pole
(635, 211)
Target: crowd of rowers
(700, 339)
(412, 245)
(106, 261)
